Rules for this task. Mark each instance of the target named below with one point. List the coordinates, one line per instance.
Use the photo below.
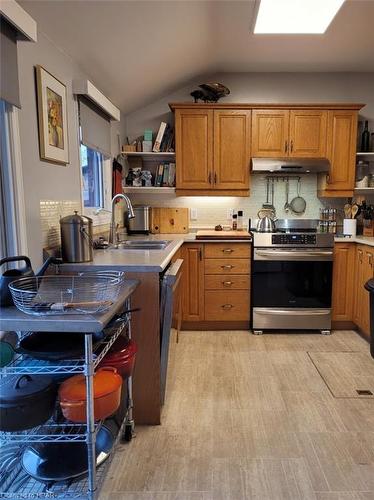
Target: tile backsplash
(212, 210)
(50, 215)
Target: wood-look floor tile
(249, 417)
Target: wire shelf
(16, 484)
(23, 364)
(50, 432)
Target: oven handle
(295, 254)
(282, 312)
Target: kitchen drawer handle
(227, 283)
(227, 306)
(227, 267)
(227, 250)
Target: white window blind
(95, 127)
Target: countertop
(363, 240)
(139, 261)
(12, 319)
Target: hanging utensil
(272, 207)
(298, 204)
(267, 204)
(287, 205)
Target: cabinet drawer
(226, 266)
(232, 250)
(227, 282)
(226, 306)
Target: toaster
(141, 222)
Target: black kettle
(25, 272)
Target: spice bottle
(234, 222)
(240, 220)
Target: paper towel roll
(349, 227)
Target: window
(12, 210)
(96, 184)
(92, 177)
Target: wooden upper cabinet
(270, 133)
(194, 148)
(232, 139)
(308, 133)
(341, 149)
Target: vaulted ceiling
(136, 51)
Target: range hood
(294, 165)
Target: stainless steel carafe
(76, 238)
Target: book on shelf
(159, 137)
(165, 178)
(171, 174)
(159, 175)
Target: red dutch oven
(121, 356)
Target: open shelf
(367, 190)
(149, 190)
(150, 154)
(367, 154)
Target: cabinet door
(193, 283)
(270, 133)
(358, 316)
(343, 282)
(231, 149)
(341, 149)
(367, 275)
(194, 148)
(308, 133)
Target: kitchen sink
(142, 244)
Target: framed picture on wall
(52, 116)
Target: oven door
(292, 278)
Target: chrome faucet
(130, 215)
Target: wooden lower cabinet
(343, 280)
(216, 285)
(223, 305)
(193, 282)
(363, 272)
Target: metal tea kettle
(76, 238)
(266, 225)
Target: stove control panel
(293, 239)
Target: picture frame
(52, 117)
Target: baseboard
(215, 325)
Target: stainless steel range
(292, 278)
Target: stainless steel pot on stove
(76, 238)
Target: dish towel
(116, 178)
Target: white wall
(43, 180)
(262, 88)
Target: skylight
(295, 16)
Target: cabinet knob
(291, 146)
(227, 306)
(285, 146)
(215, 177)
(226, 283)
(210, 177)
(227, 250)
(227, 267)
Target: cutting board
(223, 235)
(169, 220)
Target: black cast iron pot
(26, 401)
